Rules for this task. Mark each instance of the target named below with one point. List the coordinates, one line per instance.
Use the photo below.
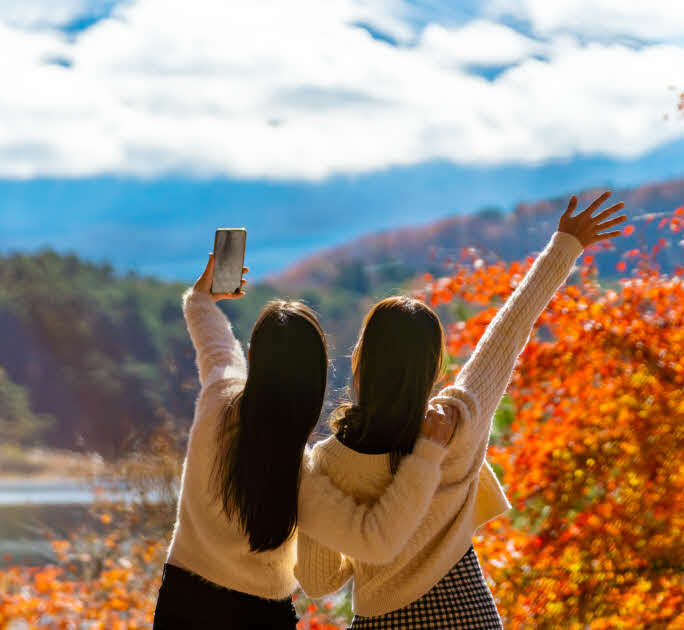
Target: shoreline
(46, 464)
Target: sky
(131, 129)
(306, 89)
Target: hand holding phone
(229, 254)
(205, 283)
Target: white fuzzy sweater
(469, 493)
(206, 543)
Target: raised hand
(585, 227)
(203, 283)
(438, 424)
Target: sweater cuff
(200, 298)
(427, 449)
(567, 242)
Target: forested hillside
(107, 357)
(510, 236)
(92, 360)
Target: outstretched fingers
(600, 237)
(595, 204)
(608, 211)
(571, 206)
(606, 224)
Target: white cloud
(479, 42)
(294, 90)
(387, 16)
(41, 13)
(658, 20)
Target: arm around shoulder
(372, 533)
(320, 570)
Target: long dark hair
(400, 355)
(264, 429)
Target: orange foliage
(122, 596)
(592, 461)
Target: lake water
(40, 492)
(67, 491)
(29, 508)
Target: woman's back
(469, 494)
(204, 540)
(430, 551)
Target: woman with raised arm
(436, 581)
(247, 486)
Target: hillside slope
(508, 236)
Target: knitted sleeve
(482, 381)
(218, 353)
(319, 569)
(375, 533)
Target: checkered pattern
(461, 600)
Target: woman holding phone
(436, 581)
(247, 487)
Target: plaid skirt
(460, 600)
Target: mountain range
(164, 227)
(506, 236)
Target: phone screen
(229, 255)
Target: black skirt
(460, 600)
(190, 602)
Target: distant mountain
(164, 226)
(508, 236)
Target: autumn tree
(592, 457)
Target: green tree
(18, 423)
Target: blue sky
(307, 89)
(263, 111)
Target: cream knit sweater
(469, 493)
(206, 543)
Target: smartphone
(229, 259)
